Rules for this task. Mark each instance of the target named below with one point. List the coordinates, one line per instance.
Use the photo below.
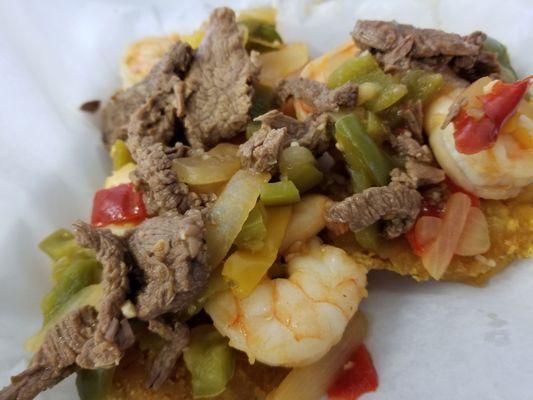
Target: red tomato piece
(117, 205)
(356, 378)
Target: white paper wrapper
(438, 341)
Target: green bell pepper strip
(304, 176)
(298, 165)
(279, 193)
(422, 85)
(79, 274)
(352, 69)
(368, 238)
(94, 384)
(58, 244)
(494, 46)
(360, 151)
(374, 127)
(263, 100)
(253, 232)
(390, 94)
(251, 128)
(210, 361)
(260, 36)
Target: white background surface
(429, 341)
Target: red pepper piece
(117, 205)
(474, 135)
(503, 100)
(357, 377)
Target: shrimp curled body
(295, 321)
(500, 172)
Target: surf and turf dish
(252, 192)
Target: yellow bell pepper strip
(210, 361)
(218, 165)
(88, 296)
(94, 384)
(352, 69)
(120, 154)
(279, 193)
(245, 269)
(253, 232)
(215, 285)
(278, 64)
(230, 211)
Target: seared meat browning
(170, 251)
(317, 94)
(219, 84)
(56, 358)
(262, 150)
(177, 338)
(160, 95)
(396, 204)
(311, 133)
(113, 333)
(418, 162)
(400, 47)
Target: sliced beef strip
(317, 94)
(413, 115)
(399, 47)
(177, 337)
(261, 152)
(113, 333)
(170, 252)
(162, 191)
(161, 89)
(419, 167)
(416, 174)
(407, 147)
(398, 205)
(311, 133)
(219, 84)
(56, 358)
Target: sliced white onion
(313, 381)
(427, 229)
(475, 238)
(440, 253)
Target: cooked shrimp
(320, 68)
(499, 172)
(294, 321)
(142, 55)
